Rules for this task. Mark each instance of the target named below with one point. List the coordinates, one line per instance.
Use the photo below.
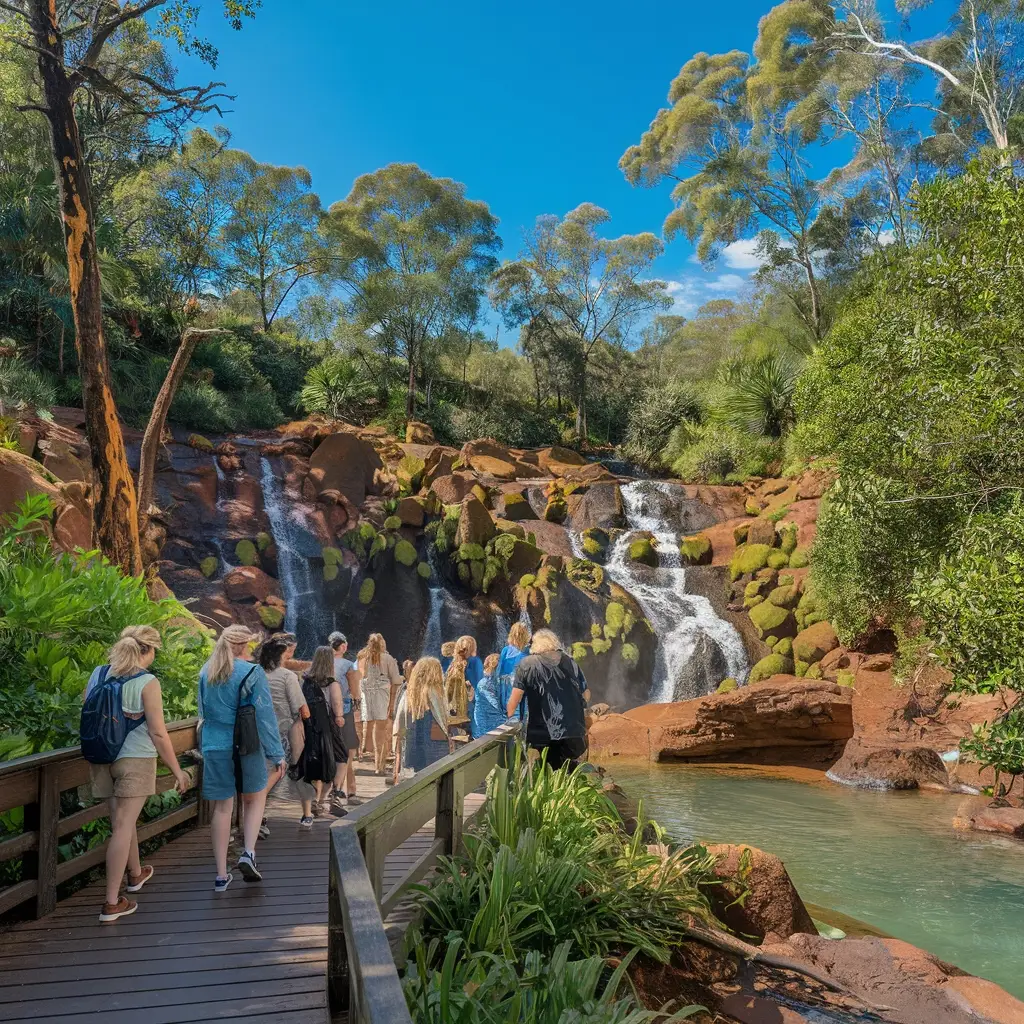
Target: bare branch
(102, 32)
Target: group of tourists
(260, 721)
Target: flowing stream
(696, 649)
(889, 859)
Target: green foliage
(713, 453)
(423, 569)
(392, 523)
(630, 654)
(271, 616)
(759, 395)
(470, 552)
(335, 387)
(23, 389)
(366, 590)
(60, 614)
(209, 566)
(655, 415)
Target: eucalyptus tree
(413, 256)
(737, 169)
(576, 290)
(77, 51)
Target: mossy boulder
(614, 617)
(749, 558)
(331, 570)
(209, 565)
(778, 560)
(643, 551)
(405, 552)
(585, 574)
(508, 527)
(783, 647)
(580, 651)
(752, 508)
(727, 686)
(477, 570)
(773, 665)
(423, 569)
(199, 442)
(410, 474)
(601, 646)
(799, 559)
(739, 534)
(696, 550)
(245, 552)
(788, 533)
(271, 616)
(366, 591)
(517, 507)
(595, 543)
(332, 556)
(475, 523)
(814, 642)
(527, 580)
(784, 597)
(556, 509)
(771, 620)
(814, 672)
(757, 588)
(786, 579)
(630, 654)
(471, 552)
(393, 523)
(800, 668)
(762, 531)
(263, 541)
(525, 557)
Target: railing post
(448, 819)
(338, 980)
(42, 817)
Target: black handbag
(247, 735)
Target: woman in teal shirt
(228, 679)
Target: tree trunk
(158, 417)
(812, 285)
(115, 511)
(410, 398)
(581, 407)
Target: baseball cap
(337, 638)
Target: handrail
(36, 782)
(361, 972)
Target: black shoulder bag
(247, 735)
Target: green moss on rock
(642, 550)
(727, 686)
(601, 646)
(814, 672)
(527, 581)
(332, 556)
(739, 534)
(392, 523)
(769, 619)
(630, 654)
(556, 510)
(800, 668)
(788, 533)
(783, 647)
(846, 679)
(784, 597)
(585, 574)
(245, 552)
(695, 550)
(773, 665)
(331, 570)
(778, 560)
(423, 568)
(263, 541)
(366, 591)
(814, 642)
(615, 616)
(748, 559)
(580, 651)
(471, 552)
(208, 566)
(799, 559)
(270, 616)
(199, 442)
(405, 552)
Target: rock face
(418, 433)
(707, 666)
(889, 767)
(782, 720)
(247, 583)
(771, 910)
(1006, 821)
(20, 476)
(915, 987)
(346, 463)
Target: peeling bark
(115, 509)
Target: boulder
(1007, 821)
(762, 531)
(813, 643)
(772, 620)
(475, 523)
(642, 550)
(438, 462)
(500, 469)
(696, 550)
(346, 463)
(516, 506)
(72, 529)
(248, 583)
(60, 460)
(889, 767)
(789, 720)
(560, 457)
(525, 558)
(814, 483)
(417, 432)
(600, 506)
(451, 489)
(20, 476)
(410, 511)
(771, 909)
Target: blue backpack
(104, 725)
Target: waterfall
(432, 638)
(686, 625)
(307, 616)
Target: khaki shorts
(126, 777)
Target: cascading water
(307, 616)
(686, 624)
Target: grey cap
(336, 638)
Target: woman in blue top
(517, 648)
(473, 670)
(229, 679)
(488, 708)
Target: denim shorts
(222, 777)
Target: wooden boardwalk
(257, 953)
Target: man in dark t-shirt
(556, 694)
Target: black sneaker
(247, 865)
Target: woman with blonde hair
(381, 683)
(321, 674)
(516, 648)
(130, 780)
(421, 729)
(229, 684)
(556, 694)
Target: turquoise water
(891, 860)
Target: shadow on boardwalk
(257, 953)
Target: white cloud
(742, 255)
(886, 237)
(685, 297)
(726, 283)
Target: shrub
(630, 654)
(334, 387)
(405, 552)
(654, 416)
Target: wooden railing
(362, 977)
(36, 783)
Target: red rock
(772, 909)
(288, 446)
(748, 1009)
(417, 432)
(451, 489)
(247, 583)
(410, 511)
(814, 483)
(561, 457)
(344, 462)
(61, 461)
(762, 531)
(784, 717)
(500, 469)
(888, 767)
(1007, 821)
(72, 529)
(438, 462)
(475, 523)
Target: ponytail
(222, 661)
(455, 686)
(134, 644)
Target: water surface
(891, 860)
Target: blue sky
(530, 105)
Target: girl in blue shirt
(517, 648)
(228, 679)
(488, 708)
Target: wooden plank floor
(256, 953)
